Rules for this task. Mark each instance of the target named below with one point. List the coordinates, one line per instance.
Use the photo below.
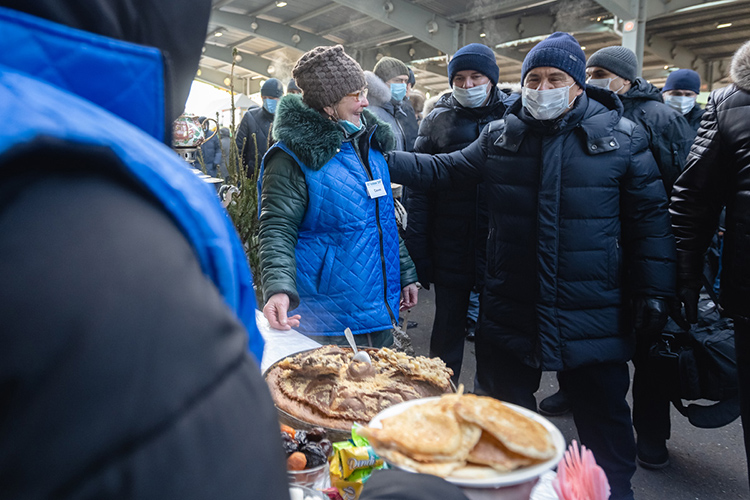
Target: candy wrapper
(351, 465)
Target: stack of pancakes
(462, 436)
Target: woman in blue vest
(329, 244)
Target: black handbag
(700, 364)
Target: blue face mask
(351, 128)
(398, 91)
(270, 105)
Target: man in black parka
(255, 127)
(580, 251)
(442, 235)
(669, 138)
(717, 175)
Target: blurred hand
(276, 310)
(650, 316)
(408, 297)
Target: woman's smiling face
(349, 108)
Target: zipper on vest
(380, 236)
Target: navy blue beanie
(683, 79)
(561, 51)
(475, 57)
(272, 88)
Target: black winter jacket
(254, 130)
(441, 234)
(717, 175)
(668, 132)
(578, 226)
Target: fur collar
(740, 68)
(378, 93)
(314, 139)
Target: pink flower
(578, 476)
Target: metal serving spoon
(358, 355)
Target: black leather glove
(688, 297)
(650, 316)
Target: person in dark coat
(680, 93)
(255, 127)
(225, 138)
(127, 307)
(441, 234)
(669, 135)
(580, 252)
(211, 150)
(717, 175)
(387, 84)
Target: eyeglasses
(359, 95)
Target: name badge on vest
(375, 188)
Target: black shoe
(652, 453)
(471, 328)
(555, 405)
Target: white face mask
(604, 83)
(472, 97)
(546, 104)
(680, 103)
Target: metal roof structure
(264, 38)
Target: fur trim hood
(378, 93)
(740, 68)
(314, 139)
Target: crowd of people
(577, 206)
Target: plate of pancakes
(471, 441)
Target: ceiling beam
(424, 24)
(313, 14)
(249, 62)
(215, 77)
(624, 9)
(269, 30)
(673, 54)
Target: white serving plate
(493, 478)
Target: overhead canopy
(267, 38)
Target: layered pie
(324, 387)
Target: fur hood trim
(740, 68)
(316, 140)
(378, 93)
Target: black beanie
(476, 57)
(683, 79)
(559, 50)
(272, 88)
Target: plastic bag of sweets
(352, 464)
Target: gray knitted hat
(326, 75)
(390, 67)
(619, 60)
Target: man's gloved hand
(688, 297)
(650, 316)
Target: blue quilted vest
(65, 84)
(347, 250)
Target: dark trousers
(597, 398)
(651, 403)
(449, 327)
(742, 346)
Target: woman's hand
(408, 297)
(276, 310)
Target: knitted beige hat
(326, 75)
(390, 67)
